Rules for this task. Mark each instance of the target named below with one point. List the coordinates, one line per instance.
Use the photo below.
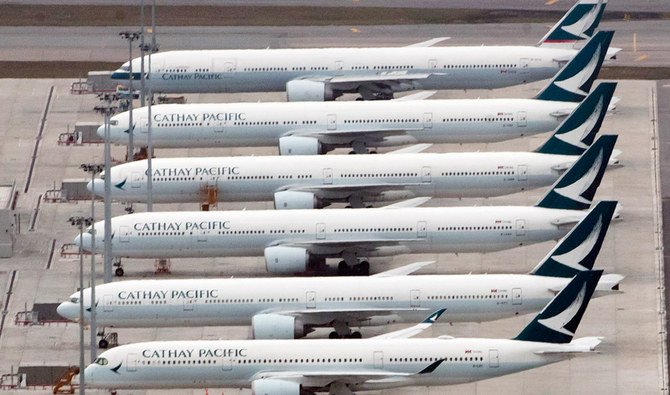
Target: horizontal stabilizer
(414, 330)
(584, 344)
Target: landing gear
(359, 269)
(359, 147)
(129, 208)
(103, 344)
(107, 340)
(351, 335)
(119, 270)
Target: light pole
(150, 149)
(94, 169)
(142, 88)
(107, 109)
(81, 222)
(130, 36)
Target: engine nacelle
(291, 200)
(276, 326)
(275, 387)
(308, 90)
(281, 259)
(297, 145)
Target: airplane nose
(101, 132)
(84, 242)
(67, 310)
(96, 186)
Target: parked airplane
(316, 128)
(302, 182)
(287, 308)
(295, 240)
(318, 74)
(392, 360)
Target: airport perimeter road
(630, 356)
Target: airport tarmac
(639, 40)
(631, 359)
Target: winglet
(558, 321)
(575, 189)
(414, 330)
(430, 368)
(403, 270)
(573, 82)
(578, 250)
(577, 24)
(577, 131)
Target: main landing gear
(342, 331)
(359, 269)
(119, 269)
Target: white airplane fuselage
(403, 68)
(315, 302)
(336, 177)
(327, 233)
(237, 363)
(339, 124)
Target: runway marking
(551, 2)
(354, 30)
(641, 58)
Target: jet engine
(308, 90)
(274, 387)
(282, 259)
(277, 326)
(291, 200)
(297, 145)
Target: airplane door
(516, 296)
(522, 173)
(415, 298)
(227, 364)
(328, 176)
(378, 358)
(332, 122)
(320, 231)
(425, 174)
(224, 65)
(520, 227)
(108, 303)
(310, 300)
(218, 126)
(521, 119)
(131, 362)
(421, 231)
(144, 125)
(136, 179)
(523, 66)
(339, 65)
(201, 237)
(189, 305)
(494, 359)
(432, 63)
(428, 120)
(124, 234)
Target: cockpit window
(113, 122)
(101, 361)
(74, 299)
(125, 67)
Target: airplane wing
(325, 317)
(414, 330)
(336, 247)
(403, 270)
(408, 203)
(371, 135)
(335, 381)
(429, 43)
(416, 96)
(398, 76)
(412, 149)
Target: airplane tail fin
(579, 23)
(577, 186)
(578, 250)
(573, 82)
(577, 131)
(558, 321)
